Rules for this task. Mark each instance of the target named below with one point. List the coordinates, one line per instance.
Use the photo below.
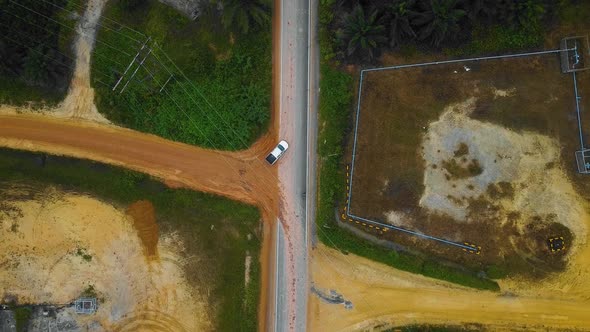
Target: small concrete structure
(85, 305)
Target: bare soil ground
(144, 221)
(481, 152)
(56, 245)
(384, 297)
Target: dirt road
(223, 173)
(387, 297)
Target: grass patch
(463, 170)
(222, 250)
(461, 151)
(500, 190)
(230, 106)
(501, 39)
(18, 93)
(89, 292)
(82, 253)
(22, 316)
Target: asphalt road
(298, 126)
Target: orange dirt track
(244, 176)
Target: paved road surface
(295, 173)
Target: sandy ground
(41, 258)
(388, 297)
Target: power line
(191, 119)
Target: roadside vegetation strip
(234, 235)
(230, 70)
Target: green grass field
(224, 100)
(222, 253)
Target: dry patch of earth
(57, 245)
(385, 297)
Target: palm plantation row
(364, 27)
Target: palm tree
(482, 8)
(362, 34)
(399, 15)
(244, 14)
(522, 13)
(439, 20)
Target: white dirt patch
(248, 265)
(79, 102)
(40, 264)
(397, 218)
(521, 159)
(498, 93)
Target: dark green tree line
(362, 27)
(30, 44)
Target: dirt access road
(387, 297)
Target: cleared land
(157, 258)
(384, 298)
(479, 152)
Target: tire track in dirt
(143, 215)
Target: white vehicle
(277, 152)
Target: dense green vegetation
(221, 251)
(335, 100)
(224, 100)
(35, 50)
(475, 26)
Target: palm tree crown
(400, 14)
(362, 34)
(439, 20)
(244, 14)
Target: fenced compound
(572, 55)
